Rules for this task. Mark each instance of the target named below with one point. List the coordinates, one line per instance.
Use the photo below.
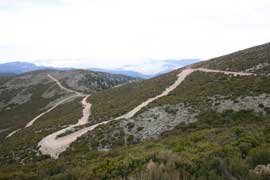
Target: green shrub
(63, 176)
(139, 128)
(244, 148)
(259, 156)
(170, 110)
(239, 168)
(130, 125)
(130, 139)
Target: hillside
(25, 96)
(206, 121)
(255, 59)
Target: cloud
(17, 3)
(119, 32)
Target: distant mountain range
(22, 67)
(158, 67)
(150, 68)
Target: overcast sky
(112, 33)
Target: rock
(154, 121)
(262, 169)
(258, 103)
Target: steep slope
(207, 121)
(213, 125)
(114, 102)
(255, 59)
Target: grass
(4, 79)
(114, 102)
(199, 86)
(22, 145)
(19, 115)
(240, 60)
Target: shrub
(267, 110)
(237, 131)
(244, 148)
(155, 171)
(130, 139)
(130, 125)
(259, 156)
(62, 176)
(140, 128)
(239, 168)
(170, 110)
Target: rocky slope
(213, 124)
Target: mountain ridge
(19, 67)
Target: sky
(110, 34)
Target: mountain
(123, 72)
(18, 67)
(163, 66)
(209, 120)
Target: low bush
(259, 156)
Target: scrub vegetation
(228, 144)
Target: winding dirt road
(49, 110)
(77, 94)
(181, 77)
(12, 133)
(54, 146)
(62, 87)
